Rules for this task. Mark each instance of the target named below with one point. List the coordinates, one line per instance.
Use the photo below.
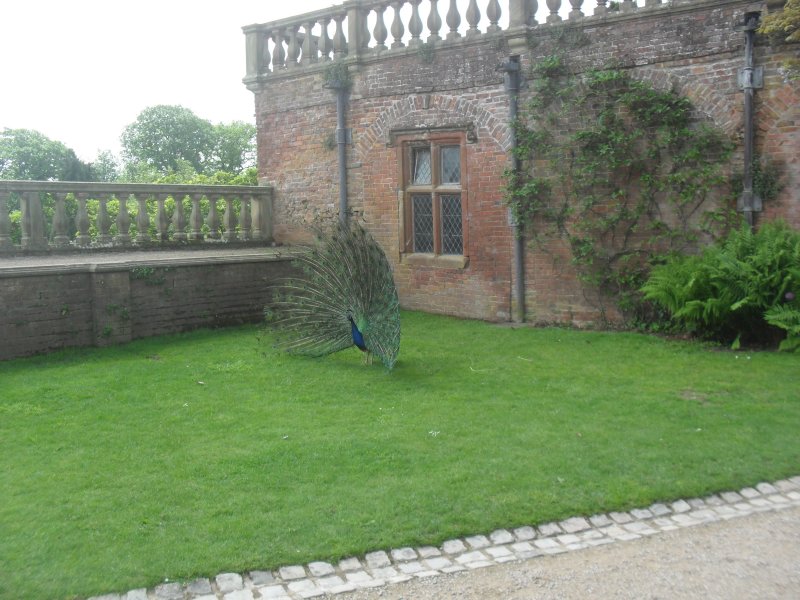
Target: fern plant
(742, 290)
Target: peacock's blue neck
(358, 338)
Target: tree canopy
(166, 139)
(28, 154)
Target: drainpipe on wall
(511, 70)
(750, 79)
(343, 137)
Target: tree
(164, 135)
(234, 147)
(30, 155)
(105, 166)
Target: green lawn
(207, 452)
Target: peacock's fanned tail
(345, 274)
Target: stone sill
(446, 261)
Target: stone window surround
(406, 139)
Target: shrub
(743, 289)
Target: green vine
(620, 171)
(337, 75)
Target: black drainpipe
(341, 142)
(343, 137)
(511, 69)
(750, 79)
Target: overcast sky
(79, 71)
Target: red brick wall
(691, 47)
(99, 305)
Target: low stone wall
(98, 300)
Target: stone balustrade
(56, 215)
(360, 29)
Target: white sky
(79, 71)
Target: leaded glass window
(451, 224)
(423, 222)
(434, 195)
(451, 164)
(422, 166)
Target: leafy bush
(743, 289)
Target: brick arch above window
(722, 108)
(435, 111)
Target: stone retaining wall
(47, 308)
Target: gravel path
(757, 556)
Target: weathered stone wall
(49, 308)
(691, 47)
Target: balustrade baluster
(415, 25)
(309, 45)
(627, 5)
(213, 217)
(142, 220)
(229, 220)
(553, 5)
(293, 51)
(103, 222)
(256, 217)
(278, 54)
(245, 218)
(397, 26)
(178, 220)
(265, 55)
(60, 237)
(649, 3)
(325, 42)
(339, 41)
(533, 7)
(601, 8)
(5, 224)
(473, 19)
(576, 12)
(364, 36)
(82, 238)
(32, 221)
(494, 13)
(434, 22)
(453, 21)
(162, 223)
(196, 219)
(380, 31)
(123, 237)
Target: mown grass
(195, 454)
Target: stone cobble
(320, 579)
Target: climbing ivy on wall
(620, 171)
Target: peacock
(347, 297)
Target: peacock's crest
(346, 297)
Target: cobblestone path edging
(322, 579)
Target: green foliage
(162, 135)
(783, 25)
(738, 290)
(27, 154)
(787, 318)
(337, 75)
(167, 140)
(619, 170)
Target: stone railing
(57, 215)
(359, 29)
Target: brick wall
(690, 47)
(50, 308)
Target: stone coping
(21, 266)
(384, 567)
